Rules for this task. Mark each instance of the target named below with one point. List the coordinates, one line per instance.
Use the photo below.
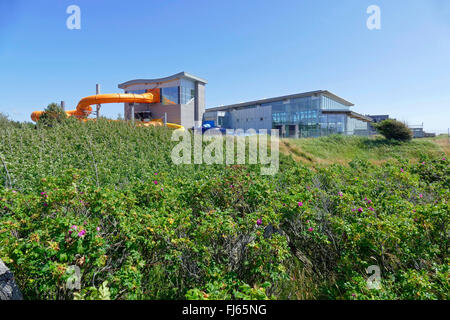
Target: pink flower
(155, 182)
(311, 229)
(259, 222)
(371, 209)
(162, 189)
(45, 204)
(340, 194)
(421, 196)
(423, 162)
(43, 193)
(231, 186)
(360, 210)
(353, 209)
(82, 233)
(98, 228)
(300, 204)
(443, 159)
(402, 170)
(156, 173)
(70, 231)
(74, 227)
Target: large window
(301, 111)
(330, 104)
(332, 124)
(187, 91)
(357, 127)
(170, 95)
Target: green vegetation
(106, 197)
(53, 115)
(343, 149)
(394, 130)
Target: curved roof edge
(175, 76)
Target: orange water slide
(84, 108)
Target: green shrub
(395, 130)
(53, 115)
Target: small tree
(4, 120)
(393, 129)
(53, 114)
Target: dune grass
(343, 149)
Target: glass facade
(357, 127)
(332, 124)
(170, 95)
(187, 91)
(182, 92)
(302, 112)
(330, 104)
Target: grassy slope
(340, 149)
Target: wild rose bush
(106, 198)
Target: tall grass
(343, 149)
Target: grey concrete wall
(173, 112)
(200, 104)
(250, 118)
(188, 114)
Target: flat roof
(180, 75)
(291, 96)
(349, 113)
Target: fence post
(97, 90)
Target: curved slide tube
(84, 108)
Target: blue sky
(245, 49)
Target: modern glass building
(310, 114)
